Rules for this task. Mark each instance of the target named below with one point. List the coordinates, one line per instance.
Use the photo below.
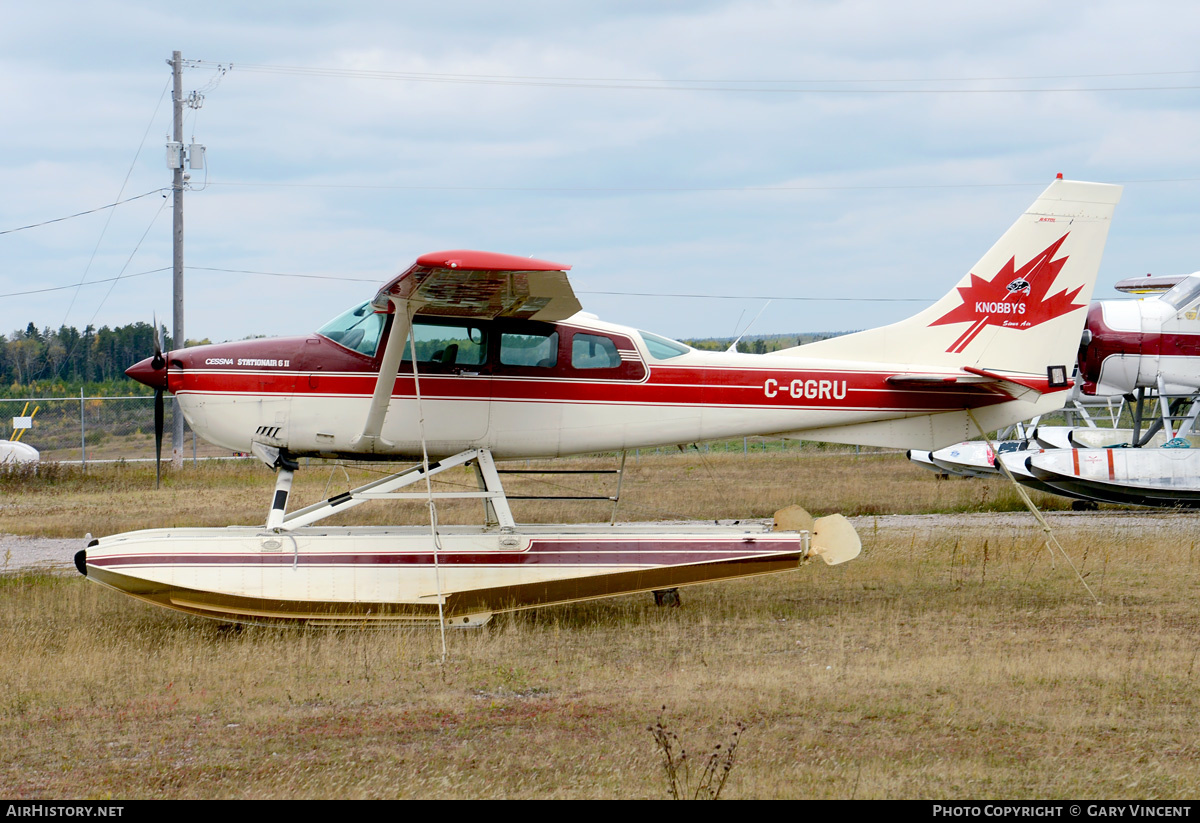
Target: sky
(847, 161)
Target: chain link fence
(87, 429)
(96, 429)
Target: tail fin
(1022, 307)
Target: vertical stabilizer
(1020, 309)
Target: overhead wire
(128, 260)
(124, 183)
(615, 189)
(670, 189)
(285, 274)
(601, 189)
(757, 297)
(83, 213)
(89, 283)
(727, 86)
(373, 280)
(404, 74)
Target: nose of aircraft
(145, 372)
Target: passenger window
(536, 350)
(590, 351)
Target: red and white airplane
(468, 356)
(1132, 348)
(1151, 343)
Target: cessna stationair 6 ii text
(469, 355)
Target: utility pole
(176, 62)
(177, 154)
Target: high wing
(480, 284)
(1149, 284)
(461, 283)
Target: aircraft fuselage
(532, 389)
(1132, 344)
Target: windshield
(661, 348)
(357, 329)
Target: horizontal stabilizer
(932, 381)
(1018, 385)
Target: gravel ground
(18, 553)
(1148, 519)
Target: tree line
(58, 363)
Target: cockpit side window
(661, 348)
(358, 329)
(1183, 294)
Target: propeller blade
(158, 436)
(138, 372)
(159, 358)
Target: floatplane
(468, 357)
(1148, 352)
(1145, 355)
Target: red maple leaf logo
(1014, 298)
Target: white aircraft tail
(1020, 309)
(1013, 321)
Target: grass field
(954, 659)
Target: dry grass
(60, 500)
(949, 661)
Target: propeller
(153, 372)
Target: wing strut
(393, 353)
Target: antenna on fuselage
(733, 345)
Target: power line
(82, 213)
(121, 191)
(89, 283)
(621, 189)
(760, 297)
(285, 274)
(597, 189)
(377, 281)
(667, 189)
(195, 268)
(736, 86)
(128, 260)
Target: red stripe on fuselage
(1108, 342)
(715, 387)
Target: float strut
(283, 487)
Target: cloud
(644, 190)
